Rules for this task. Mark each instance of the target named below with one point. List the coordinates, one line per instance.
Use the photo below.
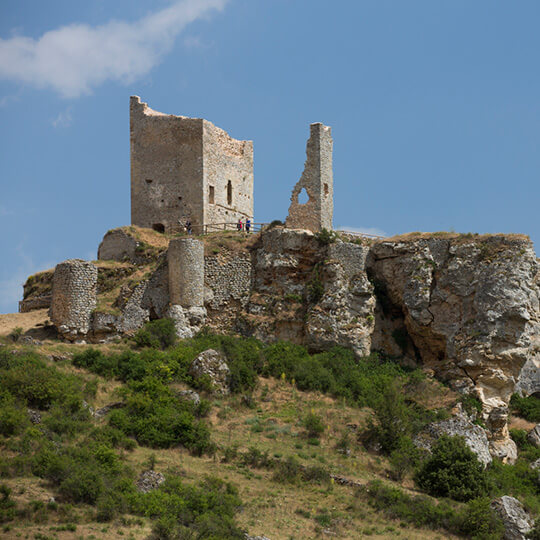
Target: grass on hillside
(269, 448)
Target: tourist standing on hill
(248, 224)
(239, 225)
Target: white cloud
(74, 59)
(63, 119)
(373, 231)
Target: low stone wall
(73, 297)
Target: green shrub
(26, 377)
(158, 334)
(405, 458)
(479, 521)
(8, 508)
(157, 418)
(528, 407)
(16, 334)
(393, 418)
(518, 480)
(314, 425)
(13, 417)
(475, 520)
(207, 509)
(325, 237)
(419, 510)
(453, 471)
(288, 471)
(315, 286)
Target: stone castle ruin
(466, 307)
(186, 169)
(317, 180)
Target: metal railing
(360, 234)
(256, 227)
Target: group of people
(241, 226)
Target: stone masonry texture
(317, 180)
(186, 168)
(73, 297)
(186, 272)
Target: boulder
(534, 436)
(190, 395)
(474, 435)
(118, 245)
(517, 522)
(34, 416)
(212, 364)
(149, 480)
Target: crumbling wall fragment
(74, 294)
(317, 180)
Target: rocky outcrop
(470, 308)
(149, 480)
(345, 313)
(118, 245)
(309, 292)
(475, 436)
(528, 382)
(534, 436)
(212, 364)
(517, 522)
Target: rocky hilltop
(465, 307)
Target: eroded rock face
(344, 314)
(528, 382)
(310, 293)
(471, 308)
(475, 436)
(517, 522)
(214, 365)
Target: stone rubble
(149, 480)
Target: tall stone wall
(166, 168)
(186, 272)
(317, 180)
(228, 169)
(227, 279)
(186, 169)
(74, 293)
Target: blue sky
(434, 108)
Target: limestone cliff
(470, 307)
(465, 307)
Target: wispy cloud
(76, 58)
(63, 119)
(363, 230)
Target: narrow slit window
(229, 193)
(211, 194)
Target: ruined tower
(186, 169)
(317, 180)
